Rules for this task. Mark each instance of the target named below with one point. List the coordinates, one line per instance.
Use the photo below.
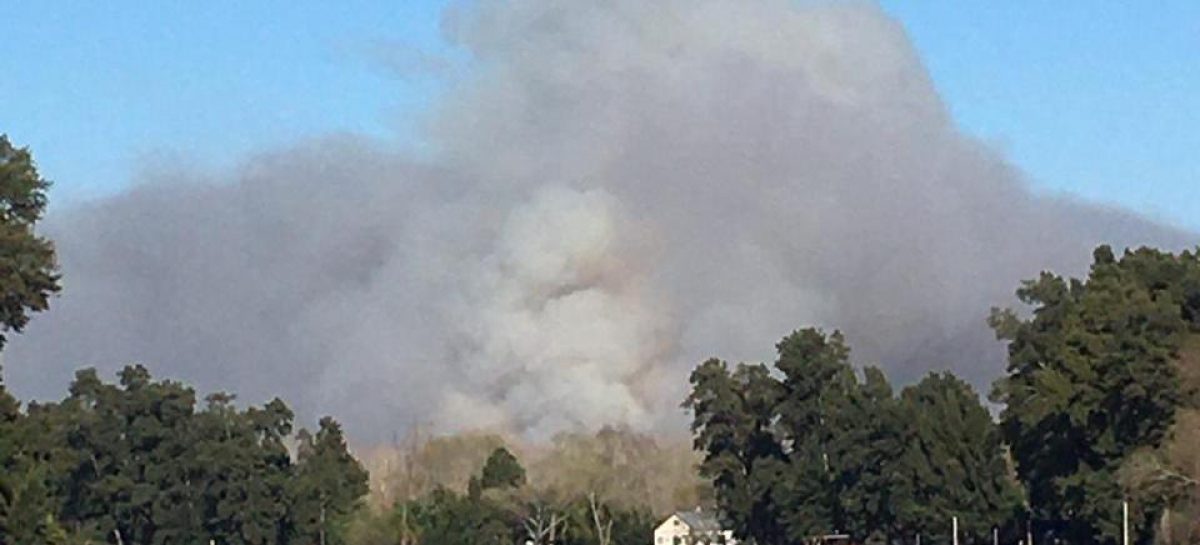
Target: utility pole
(956, 531)
(1125, 522)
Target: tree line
(624, 467)
(138, 463)
(1098, 408)
(500, 507)
(1098, 394)
(814, 448)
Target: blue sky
(1096, 98)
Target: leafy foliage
(328, 487)
(502, 470)
(513, 513)
(1101, 396)
(817, 449)
(1092, 380)
(28, 270)
(136, 460)
(951, 465)
(28, 277)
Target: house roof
(700, 521)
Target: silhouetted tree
(502, 470)
(1091, 380)
(328, 486)
(28, 270)
(817, 449)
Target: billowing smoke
(617, 190)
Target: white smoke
(618, 190)
(558, 322)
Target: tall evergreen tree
(28, 277)
(814, 418)
(1091, 380)
(328, 486)
(28, 269)
(867, 458)
(734, 414)
(955, 464)
(501, 470)
(240, 469)
(136, 460)
(819, 449)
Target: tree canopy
(513, 512)
(1100, 396)
(1092, 380)
(813, 447)
(28, 269)
(137, 462)
(28, 278)
(502, 470)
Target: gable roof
(699, 521)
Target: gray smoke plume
(617, 190)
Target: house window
(677, 541)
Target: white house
(692, 528)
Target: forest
(1096, 409)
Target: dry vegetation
(618, 465)
(1183, 452)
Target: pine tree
(28, 277)
(28, 268)
(815, 449)
(328, 486)
(955, 465)
(1092, 380)
(501, 470)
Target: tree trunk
(1165, 523)
(603, 529)
(322, 530)
(404, 523)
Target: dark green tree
(631, 525)
(27, 511)
(501, 470)
(28, 277)
(1091, 379)
(136, 460)
(818, 448)
(955, 464)
(10, 457)
(328, 487)
(241, 469)
(445, 518)
(131, 442)
(866, 458)
(734, 417)
(815, 417)
(590, 521)
(28, 271)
